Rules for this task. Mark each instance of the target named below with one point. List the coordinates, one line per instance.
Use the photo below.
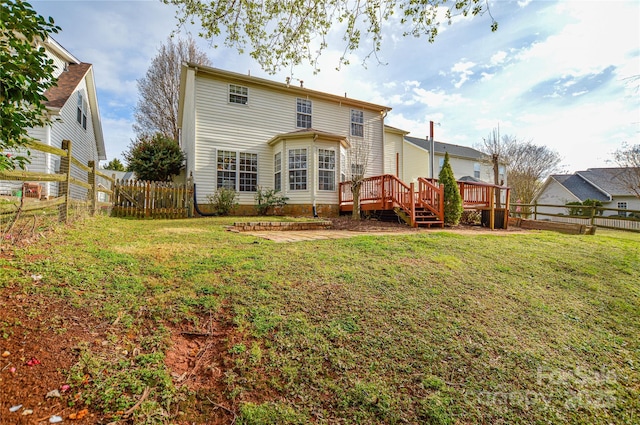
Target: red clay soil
(34, 355)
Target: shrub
(223, 201)
(452, 198)
(267, 199)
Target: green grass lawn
(427, 328)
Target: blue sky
(554, 72)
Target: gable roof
(67, 82)
(601, 184)
(309, 132)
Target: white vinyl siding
(213, 124)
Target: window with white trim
(303, 113)
(357, 169)
(357, 123)
(277, 171)
(227, 169)
(248, 172)
(326, 169)
(622, 206)
(501, 172)
(476, 170)
(297, 169)
(81, 115)
(440, 164)
(238, 94)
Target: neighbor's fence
(63, 201)
(144, 199)
(610, 218)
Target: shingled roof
(601, 184)
(442, 148)
(58, 95)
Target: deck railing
(386, 192)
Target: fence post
(593, 215)
(413, 205)
(64, 188)
(94, 187)
(535, 210)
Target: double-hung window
(297, 169)
(81, 115)
(622, 206)
(248, 172)
(476, 170)
(326, 169)
(277, 174)
(303, 113)
(357, 123)
(227, 169)
(238, 94)
(237, 171)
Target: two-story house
(73, 107)
(242, 132)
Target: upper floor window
(357, 123)
(297, 169)
(326, 169)
(81, 115)
(238, 94)
(476, 170)
(501, 172)
(440, 164)
(303, 113)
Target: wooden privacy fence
(65, 180)
(145, 199)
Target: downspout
(313, 182)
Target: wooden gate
(144, 199)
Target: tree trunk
(355, 191)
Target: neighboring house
(243, 133)
(409, 158)
(601, 184)
(73, 107)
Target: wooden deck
(422, 204)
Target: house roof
(291, 88)
(309, 132)
(581, 188)
(601, 184)
(442, 148)
(67, 82)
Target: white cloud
(498, 57)
(524, 3)
(463, 69)
(437, 98)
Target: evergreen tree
(156, 158)
(452, 198)
(114, 165)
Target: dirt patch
(38, 337)
(197, 359)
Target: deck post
(412, 204)
(492, 208)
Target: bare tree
(356, 164)
(157, 108)
(527, 163)
(628, 158)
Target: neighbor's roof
(601, 184)
(442, 148)
(580, 187)
(58, 95)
